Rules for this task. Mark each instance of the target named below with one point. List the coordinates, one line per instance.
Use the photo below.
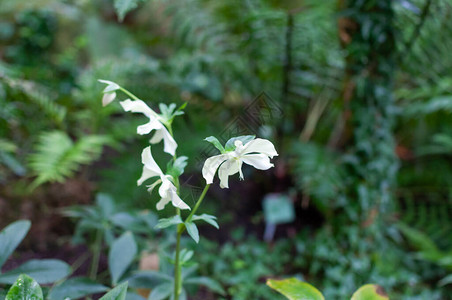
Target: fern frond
(57, 157)
(37, 95)
(318, 174)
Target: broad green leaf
(192, 231)
(124, 6)
(148, 279)
(370, 292)
(164, 223)
(177, 167)
(446, 280)
(42, 270)
(76, 288)
(25, 288)
(133, 296)
(161, 292)
(207, 282)
(105, 205)
(10, 238)
(208, 219)
(244, 139)
(214, 141)
(295, 289)
(121, 255)
(118, 293)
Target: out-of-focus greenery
(363, 102)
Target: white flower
(109, 92)
(256, 153)
(138, 106)
(167, 190)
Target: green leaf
(124, 6)
(446, 280)
(370, 292)
(148, 279)
(57, 157)
(118, 293)
(133, 296)
(207, 282)
(418, 239)
(10, 238)
(25, 288)
(214, 141)
(121, 255)
(76, 288)
(177, 167)
(192, 231)
(185, 255)
(167, 222)
(12, 163)
(161, 292)
(244, 139)
(182, 107)
(208, 219)
(295, 289)
(42, 270)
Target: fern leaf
(57, 157)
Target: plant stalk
(129, 93)
(198, 203)
(177, 268)
(96, 255)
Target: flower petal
(138, 106)
(161, 204)
(211, 165)
(260, 146)
(146, 175)
(230, 167)
(259, 161)
(149, 162)
(111, 86)
(148, 127)
(168, 192)
(108, 98)
(169, 144)
(158, 136)
(152, 186)
(176, 200)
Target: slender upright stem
(198, 203)
(180, 230)
(177, 268)
(96, 255)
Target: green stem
(180, 230)
(96, 255)
(129, 93)
(198, 203)
(177, 268)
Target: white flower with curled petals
(167, 190)
(155, 123)
(239, 150)
(109, 91)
